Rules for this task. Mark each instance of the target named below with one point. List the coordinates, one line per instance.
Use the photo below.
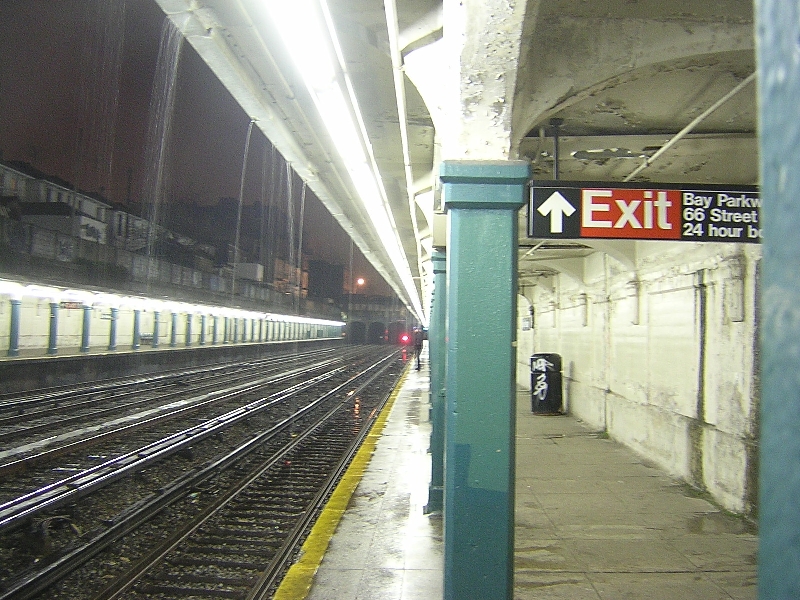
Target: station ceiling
(615, 80)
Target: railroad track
(47, 412)
(277, 470)
(192, 404)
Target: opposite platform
(593, 521)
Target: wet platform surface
(593, 521)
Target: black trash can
(546, 387)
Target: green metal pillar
(482, 199)
(778, 31)
(437, 356)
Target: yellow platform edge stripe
(297, 582)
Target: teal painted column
(482, 199)
(86, 329)
(202, 340)
(52, 340)
(437, 355)
(778, 32)
(13, 335)
(214, 330)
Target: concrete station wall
(661, 356)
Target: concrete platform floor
(593, 521)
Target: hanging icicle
(299, 269)
(239, 209)
(162, 102)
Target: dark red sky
(76, 79)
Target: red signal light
(405, 338)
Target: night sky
(76, 80)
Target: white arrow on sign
(556, 206)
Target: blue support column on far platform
(778, 31)
(13, 335)
(437, 353)
(156, 332)
(482, 199)
(86, 328)
(137, 329)
(52, 341)
(173, 334)
(112, 328)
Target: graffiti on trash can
(540, 364)
(540, 387)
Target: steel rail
(33, 584)
(55, 401)
(270, 575)
(180, 408)
(16, 511)
(122, 585)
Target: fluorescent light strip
(16, 291)
(390, 8)
(307, 40)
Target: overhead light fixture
(604, 153)
(306, 28)
(19, 290)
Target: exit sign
(677, 212)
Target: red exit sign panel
(631, 213)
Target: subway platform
(593, 521)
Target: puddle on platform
(716, 523)
(412, 417)
(540, 558)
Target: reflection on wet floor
(593, 521)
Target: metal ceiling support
(778, 28)
(398, 77)
(695, 122)
(556, 124)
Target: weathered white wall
(661, 357)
